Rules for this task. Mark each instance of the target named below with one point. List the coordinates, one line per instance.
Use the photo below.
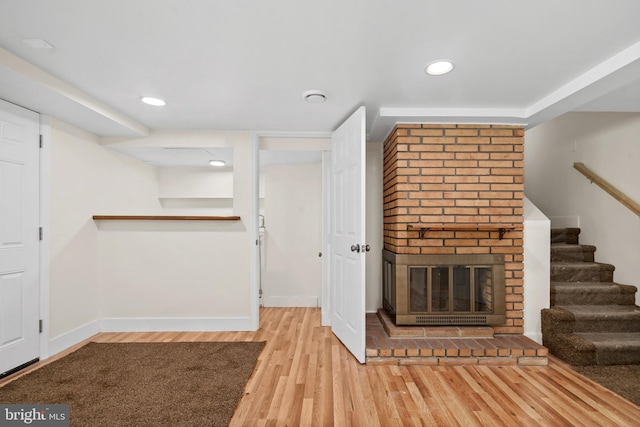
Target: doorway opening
(290, 224)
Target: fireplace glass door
(443, 289)
(450, 289)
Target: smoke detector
(314, 96)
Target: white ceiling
(244, 64)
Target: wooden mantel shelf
(163, 218)
(501, 228)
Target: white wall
(194, 190)
(292, 269)
(85, 180)
(537, 269)
(145, 275)
(609, 144)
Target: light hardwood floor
(306, 377)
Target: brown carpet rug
(143, 384)
(621, 379)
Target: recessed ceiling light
(37, 43)
(153, 101)
(217, 163)
(314, 96)
(440, 67)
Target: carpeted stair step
(563, 252)
(592, 293)
(598, 318)
(572, 349)
(622, 348)
(581, 272)
(597, 348)
(565, 235)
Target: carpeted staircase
(592, 320)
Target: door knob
(355, 248)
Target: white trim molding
(195, 324)
(72, 337)
(173, 324)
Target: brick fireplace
(458, 190)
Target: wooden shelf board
(163, 218)
(502, 228)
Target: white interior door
(19, 240)
(347, 234)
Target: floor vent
(18, 368)
(450, 320)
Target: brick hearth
(388, 344)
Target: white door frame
(256, 137)
(45, 197)
(326, 240)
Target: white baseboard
(188, 324)
(81, 333)
(286, 301)
(71, 338)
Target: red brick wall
(458, 177)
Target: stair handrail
(606, 186)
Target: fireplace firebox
(444, 289)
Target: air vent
(314, 96)
(451, 320)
